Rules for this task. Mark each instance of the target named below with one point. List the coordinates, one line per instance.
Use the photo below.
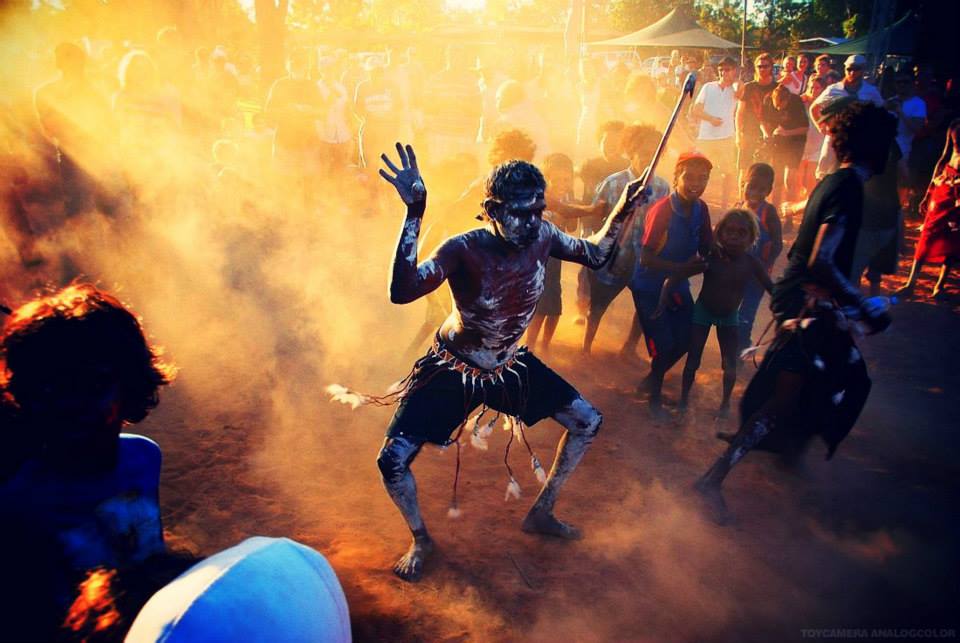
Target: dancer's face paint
(518, 221)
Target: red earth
(867, 540)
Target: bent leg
(783, 402)
(582, 423)
(394, 460)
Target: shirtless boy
(730, 268)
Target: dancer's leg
(582, 423)
(394, 460)
(784, 400)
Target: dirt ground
(868, 540)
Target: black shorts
(441, 398)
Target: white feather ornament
(487, 428)
(513, 490)
(746, 353)
(344, 395)
(538, 470)
(477, 441)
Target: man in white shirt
(854, 86)
(715, 106)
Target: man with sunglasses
(496, 276)
(755, 119)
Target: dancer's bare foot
(712, 501)
(544, 522)
(410, 565)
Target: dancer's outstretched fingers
(390, 164)
(389, 179)
(403, 156)
(413, 157)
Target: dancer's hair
(513, 178)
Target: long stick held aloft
(689, 83)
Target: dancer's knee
(394, 459)
(581, 418)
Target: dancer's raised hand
(406, 179)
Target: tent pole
(743, 37)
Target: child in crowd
(757, 186)
(558, 172)
(730, 267)
(76, 494)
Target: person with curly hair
(813, 380)
(76, 493)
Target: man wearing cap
(715, 106)
(852, 85)
(853, 88)
(676, 238)
(910, 110)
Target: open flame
(94, 610)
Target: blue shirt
(672, 236)
(625, 262)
